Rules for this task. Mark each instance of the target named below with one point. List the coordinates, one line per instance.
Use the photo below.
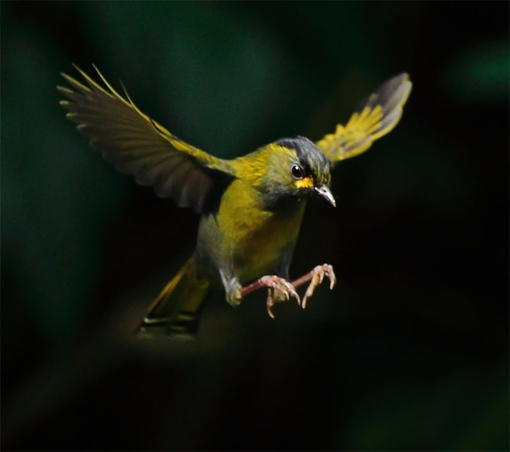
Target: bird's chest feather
(245, 237)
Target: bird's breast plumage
(245, 239)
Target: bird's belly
(246, 240)
(261, 247)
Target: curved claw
(291, 290)
(318, 274)
(270, 302)
(275, 283)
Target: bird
(251, 207)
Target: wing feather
(375, 117)
(138, 145)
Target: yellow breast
(255, 237)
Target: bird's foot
(316, 277)
(277, 286)
(278, 289)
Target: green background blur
(409, 352)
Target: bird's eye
(297, 172)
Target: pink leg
(275, 283)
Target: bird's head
(296, 168)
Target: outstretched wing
(138, 145)
(375, 117)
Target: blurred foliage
(481, 73)
(410, 352)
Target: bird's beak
(325, 192)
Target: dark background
(409, 352)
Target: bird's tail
(175, 312)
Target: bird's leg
(277, 285)
(233, 289)
(278, 289)
(315, 277)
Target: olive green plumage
(251, 207)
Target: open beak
(325, 192)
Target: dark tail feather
(176, 310)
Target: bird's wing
(138, 145)
(375, 117)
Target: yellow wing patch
(376, 117)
